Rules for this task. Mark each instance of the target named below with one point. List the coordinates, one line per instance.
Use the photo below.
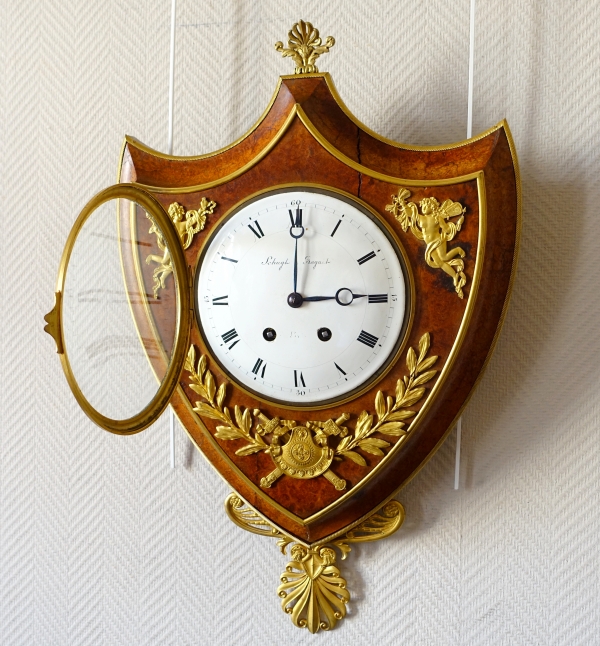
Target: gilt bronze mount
(318, 476)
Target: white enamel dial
(301, 314)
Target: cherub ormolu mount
(317, 319)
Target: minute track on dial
(316, 353)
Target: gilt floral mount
(312, 589)
(309, 450)
(304, 47)
(327, 479)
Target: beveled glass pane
(119, 311)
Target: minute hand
(296, 227)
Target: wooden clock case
(307, 137)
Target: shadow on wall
(524, 397)
(535, 383)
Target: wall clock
(316, 302)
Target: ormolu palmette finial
(304, 47)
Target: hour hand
(343, 296)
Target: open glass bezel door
(129, 194)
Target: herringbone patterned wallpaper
(100, 542)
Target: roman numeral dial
(299, 379)
(378, 298)
(366, 257)
(256, 230)
(367, 339)
(300, 297)
(257, 368)
(341, 371)
(230, 336)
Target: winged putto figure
(434, 226)
(187, 224)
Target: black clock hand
(296, 267)
(336, 297)
(296, 225)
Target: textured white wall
(100, 542)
